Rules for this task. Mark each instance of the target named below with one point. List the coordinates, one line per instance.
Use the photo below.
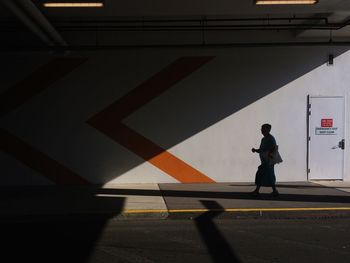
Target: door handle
(340, 145)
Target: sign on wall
(326, 128)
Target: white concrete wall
(210, 120)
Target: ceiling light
(73, 4)
(286, 2)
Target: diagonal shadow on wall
(199, 104)
(202, 103)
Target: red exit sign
(327, 123)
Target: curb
(192, 214)
(238, 213)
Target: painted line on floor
(137, 211)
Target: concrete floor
(162, 200)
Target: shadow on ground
(65, 224)
(218, 247)
(331, 196)
(57, 236)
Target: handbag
(275, 157)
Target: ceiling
(199, 8)
(181, 22)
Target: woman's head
(265, 129)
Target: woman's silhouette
(265, 176)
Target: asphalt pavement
(204, 238)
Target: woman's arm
(256, 150)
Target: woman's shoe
(254, 193)
(275, 193)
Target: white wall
(210, 120)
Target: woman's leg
(275, 192)
(256, 191)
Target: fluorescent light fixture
(286, 2)
(73, 4)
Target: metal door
(326, 138)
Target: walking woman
(265, 176)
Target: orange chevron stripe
(36, 82)
(109, 120)
(23, 91)
(38, 161)
(178, 169)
